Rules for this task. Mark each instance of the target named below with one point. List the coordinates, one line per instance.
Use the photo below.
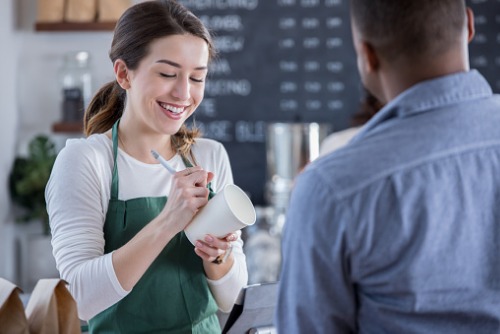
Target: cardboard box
(50, 11)
(80, 10)
(111, 10)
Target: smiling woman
(117, 240)
(164, 90)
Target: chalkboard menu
(293, 61)
(485, 47)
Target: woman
(117, 240)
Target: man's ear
(370, 58)
(121, 74)
(470, 24)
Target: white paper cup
(228, 211)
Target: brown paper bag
(50, 11)
(12, 316)
(51, 309)
(80, 10)
(111, 10)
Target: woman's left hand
(211, 247)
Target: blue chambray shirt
(399, 231)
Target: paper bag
(80, 11)
(12, 316)
(111, 10)
(50, 11)
(51, 309)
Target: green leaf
(29, 176)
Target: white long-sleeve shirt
(77, 196)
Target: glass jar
(76, 85)
(262, 245)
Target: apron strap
(114, 180)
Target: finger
(231, 237)
(219, 243)
(210, 177)
(198, 178)
(199, 192)
(197, 198)
(210, 252)
(192, 176)
(201, 254)
(204, 256)
(193, 198)
(190, 170)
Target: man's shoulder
(349, 168)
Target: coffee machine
(289, 148)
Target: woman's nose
(181, 89)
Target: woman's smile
(173, 111)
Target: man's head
(407, 32)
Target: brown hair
(409, 28)
(136, 29)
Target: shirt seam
(466, 149)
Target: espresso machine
(289, 148)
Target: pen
(163, 162)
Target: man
(399, 231)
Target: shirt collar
(431, 94)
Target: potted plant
(27, 181)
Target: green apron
(173, 295)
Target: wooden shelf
(70, 26)
(66, 127)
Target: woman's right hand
(188, 194)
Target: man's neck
(398, 77)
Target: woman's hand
(211, 247)
(188, 194)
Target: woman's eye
(167, 75)
(198, 79)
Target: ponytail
(183, 140)
(105, 109)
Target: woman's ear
(121, 74)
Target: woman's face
(169, 83)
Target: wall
(40, 58)
(8, 119)
(30, 96)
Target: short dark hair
(409, 27)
